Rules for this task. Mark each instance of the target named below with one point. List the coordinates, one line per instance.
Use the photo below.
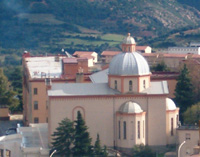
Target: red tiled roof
(149, 54)
(110, 53)
(141, 48)
(88, 56)
(83, 53)
(69, 60)
(195, 56)
(73, 60)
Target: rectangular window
(35, 91)
(47, 119)
(36, 120)
(138, 129)
(35, 105)
(119, 130)
(130, 86)
(124, 130)
(144, 84)
(172, 127)
(187, 136)
(115, 84)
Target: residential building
(39, 72)
(184, 50)
(91, 56)
(191, 136)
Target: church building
(128, 110)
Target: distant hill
(45, 24)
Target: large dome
(129, 40)
(130, 107)
(129, 63)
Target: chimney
(80, 76)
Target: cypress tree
(82, 143)
(184, 91)
(63, 138)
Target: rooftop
(98, 89)
(160, 87)
(100, 77)
(44, 66)
(28, 139)
(188, 127)
(110, 53)
(81, 89)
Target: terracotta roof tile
(110, 53)
(141, 48)
(83, 53)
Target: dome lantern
(128, 44)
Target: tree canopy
(192, 114)
(7, 96)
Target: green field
(112, 40)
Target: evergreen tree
(184, 91)
(63, 138)
(97, 147)
(82, 143)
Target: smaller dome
(170, 105)
(129, 39)
(130, 107)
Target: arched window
(144, 84)
(115, 84)
(75, 112)
(138, 129)
(130, 86)
(119, 130)
(124, 130)
(172, 127)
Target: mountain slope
(35, 23)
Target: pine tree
(82, 143)
(184, 91)
(97, 147)
(63, 138)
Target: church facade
(128, 110)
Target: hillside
(49, 25)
